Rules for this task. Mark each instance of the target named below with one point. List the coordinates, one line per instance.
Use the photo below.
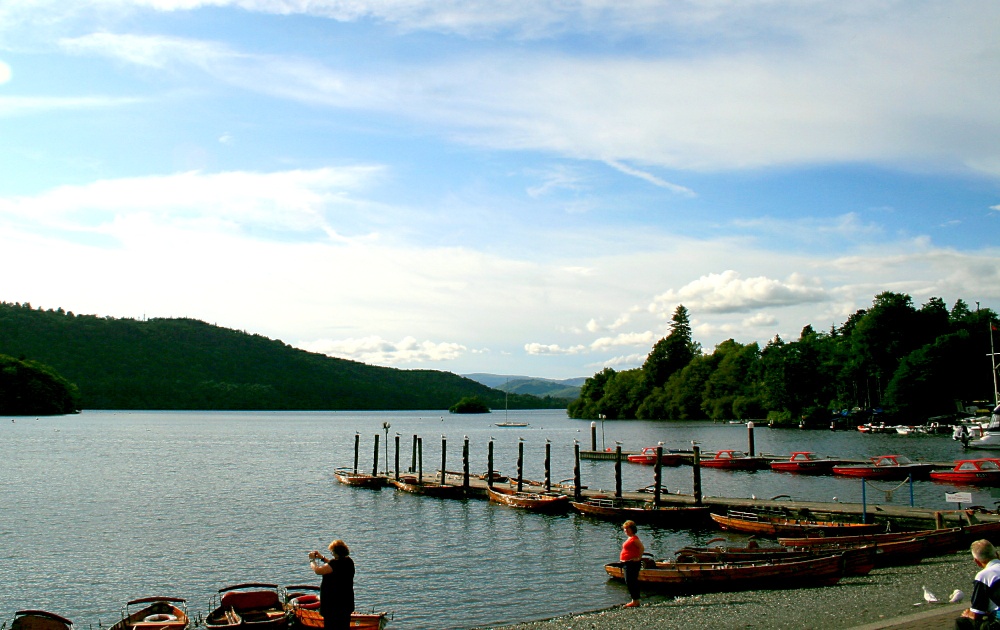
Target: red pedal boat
(734, 460)
(980, 472)
(648, 457)
(806, 463)
(886, 467)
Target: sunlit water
(103, 507)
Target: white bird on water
(930, 597)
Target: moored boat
(534, 501)
(154, 613)
(773, 525)
(647, 457)
(990, 438)
(302, 603)
(413, 485)
(806, 463)
(931, 541)
(980, 472)
(886, 467)
(857, 560)
(734, 460)
(350, 477)
(248, 606)
(39, 620)
(698, 577)
(643, 512)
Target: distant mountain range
(530, 385)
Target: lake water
(103, 507)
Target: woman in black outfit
(336, 591)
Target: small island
(469, 404)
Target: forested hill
(188, 364)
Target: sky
(514, 187)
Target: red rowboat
(703, 577)
(302, 602)
(534, 501)
(753, 523)
(734, 460)
(155, 613)
(648, 457)
(885, 467)
(251, 606)
(642, 512)
(805, 462)
(980, 472)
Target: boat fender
(161, 617)
(309, 602)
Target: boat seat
(242, 601)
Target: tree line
(189, 364)
(911, 363)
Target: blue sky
(495, 186)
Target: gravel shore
(883, 594)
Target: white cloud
(647, 338)
(540, 348)
(729, 292)
(374, 349)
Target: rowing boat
(534, 501)
(154, 613)
(350, 477)
(642, 512)
(410, 483)
(302, 603)
(857, 560)
(768, 525)
(699, 577)
(249, 606)
(39, 620)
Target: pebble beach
(870, 601)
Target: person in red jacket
(631, 558)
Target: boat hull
(534, 501)
(443, 491)
(250, 606)
(359, 480)
(857, 560)
(702, 577)
(896, 473)
(774, 526)
(158, 613)
(39, 620)
(643, 512)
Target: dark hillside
(188, 364)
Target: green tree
(672, 353)
(28, 388)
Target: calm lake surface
(103, 507)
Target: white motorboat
(991, 434)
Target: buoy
(160, 618)
(309, 602)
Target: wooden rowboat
(767, 525)
(534, 501)
(700, 577)
(857, 560)
(934, 541)
(39, 620)
(302, 603)
(410, 483)
(249, 606)
(154, 613)
(350, 477)
(642, 512)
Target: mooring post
(593, 436)
(444, 454)
(357, 444)
(911, 492)
(489, 464)
(548, 466)
(939, 520)
(696, 471)
(618, 471)
(396, 471)
(520, 465)
(465, 464)
(420, 460)
(577, 493)
(657, 476)
(750, 448)
(864, 501)
(375, 459)
(413, 457)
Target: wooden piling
(420, 460)
(593, 436)
(465, 464)
(750, 446)
(577, 492)
(413, 457)
(489, 464)
(657, 476)
(618, 471)
(444, 457)
(696, 472)
(375, 459)
(520, 465)
(396, 471)
(357, 444)
(548, 466)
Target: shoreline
(881, 599)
